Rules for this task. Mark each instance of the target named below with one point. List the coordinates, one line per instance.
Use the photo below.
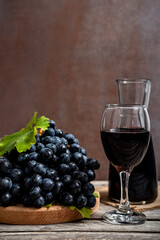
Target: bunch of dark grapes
(55, 169)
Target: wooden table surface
(93, 228)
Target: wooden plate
(32, 216)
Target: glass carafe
(143, 185)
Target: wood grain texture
(85, 226)
(32, 216)
(80, 236)
(61, 58)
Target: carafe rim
(133, 80)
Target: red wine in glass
(125, 147)
(125, 134)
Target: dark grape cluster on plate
(55, 169)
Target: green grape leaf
(49, 205)
(23, 139)
(31, 122)
(42, 122)
(26, 139)
(96, 195)
(85, 211)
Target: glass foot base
(115, 217)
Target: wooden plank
(151, 215)
(84, 225)
(79, 236)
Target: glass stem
(124, 202)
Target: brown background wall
(61, 58)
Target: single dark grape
(36, 180)
(74, 147)
(75, 187)
(92, 163)
(16, 175)
(49, 197)
(40, 146)
(52, 174)
(81, 201)
(78, 159)
(52, 147)
(5, 184)
(46, 154)
(52, 124)
(50, 132)
(32, 156)
(31, 164)
(58, 188)
(88, 188)
(67, 179)
(47, 184)
(48, 139)
(6, 199)
(40, 168)
(58, 132)
(64, 158)
(39, 202)
(63, 169)
(83, 151)
(68, 199)
(61, 148)
(23, 158)
(91, 201)
(58, 140)
(64, 140)
(73, 166)
(81, 176)
(70, 138)
(16, 191)
(55, 140)
(35, 192)
(5, 167)
(27, 183)
(91, 174)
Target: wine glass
(125, 134)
